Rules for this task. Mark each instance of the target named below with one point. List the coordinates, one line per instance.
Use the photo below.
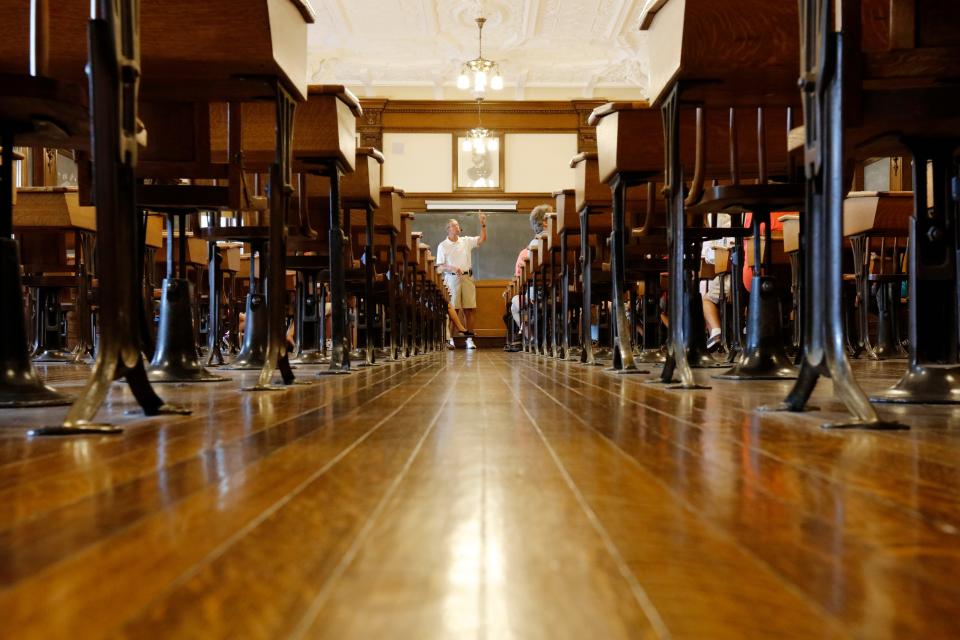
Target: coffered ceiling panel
(547, 49)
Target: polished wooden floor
(481, 495)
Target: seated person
(538, 222)
(710, 290)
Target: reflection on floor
(481, 495)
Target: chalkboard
(507, 234)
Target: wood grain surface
(481, 494)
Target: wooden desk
(224, 49)
(877, 213)
(722, 51)
(714, 54)
(387, 223)
(38, 109)
(568, 224)
(877, 78)
(184, 69)
(48, 222)
(593, 204)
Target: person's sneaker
(470, 344)
(450, 344)
(713, 343)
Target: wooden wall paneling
(413, 115)
(490, 307)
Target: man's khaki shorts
(463, 292)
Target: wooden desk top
(362, 187)
(324, 127)
(223, 48)
(52, 208)
(723, 52)
(878, 213)
(213, 48)
(630, 139)
(387, 217)
(589, 190)
(566, 208)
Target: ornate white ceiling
(547, 49)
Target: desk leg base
(56, 356)
(35, 394)
(924, 385)
(85, 429)
(877, 425)
(266, 387)
(785, 407)
(311, 357)
(649, 356)
(171, 375)
(625, 372)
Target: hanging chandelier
(480, 72)
(478, 139)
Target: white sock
(714, 332)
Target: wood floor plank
(303, 541)
(483, 495)
(483, 539)
(870, 461)
(155, 550)
(781, 514)
(685, 566)
(60, 478)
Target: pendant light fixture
(480, 73)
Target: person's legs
(455, 319)
(468, 297)
(711, 314)
(453, 284)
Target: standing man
(454, 259)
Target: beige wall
(418, 162)
(539, 162)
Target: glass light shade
(492, 144)
(478, 146)
(463, 82)
(479, 81)
(496, 83)
(466, 145)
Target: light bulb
(480, 81)
(478, 146)
(463, 82)
(492, 144)
(496, 83)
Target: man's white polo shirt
(459, 253)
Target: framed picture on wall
(478, 164)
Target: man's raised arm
(483, 229)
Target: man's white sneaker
(470, 344)
(450, 344)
